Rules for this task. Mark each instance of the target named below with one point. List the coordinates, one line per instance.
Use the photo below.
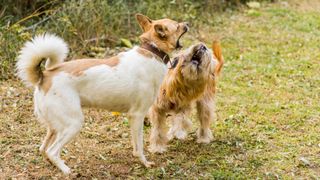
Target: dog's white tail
(42, 47)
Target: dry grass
(267, 112)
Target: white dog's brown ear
(160, 30)
(144, 22)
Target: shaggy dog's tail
(42, 47)
(216, 47)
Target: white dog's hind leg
(47, 141)
(53, 153)
(63, 137)
(64, 116)
(136, 126)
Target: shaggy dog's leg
(158, 136)
(136, 126)
(180, 124)
(205, 108)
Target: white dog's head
(165, 34)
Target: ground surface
(267, 111)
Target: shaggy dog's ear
(144, 22)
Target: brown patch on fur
(165, 33)
(75, 68)
(145, 53)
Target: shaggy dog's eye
(175, 62)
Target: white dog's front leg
(136, 126)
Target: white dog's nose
(186, 26)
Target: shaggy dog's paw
(181, 134)
(170, 135)
(177, 133)
(204, 136)
(204, 140)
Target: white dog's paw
(143, 160)
(59, 163)
(42, 150)
(66, 170)
(136, 153)
(157, 148)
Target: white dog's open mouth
(178, 44)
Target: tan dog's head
(163, 33)
(194, 64)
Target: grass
(268, 112)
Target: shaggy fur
(128, 82)
(192, 81)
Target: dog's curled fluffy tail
(216, 47)
(42, 47)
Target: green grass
(268, 94)
(267, 112)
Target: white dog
(128, 82)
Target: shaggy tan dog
(191, 81)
